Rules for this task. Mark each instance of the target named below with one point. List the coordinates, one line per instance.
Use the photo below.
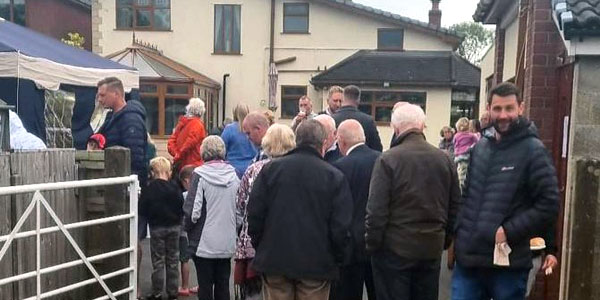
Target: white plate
(535, 248)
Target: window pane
(295, 24)
(366, 108)
(383, 114)
(388, 97)
(219, 28)
(174, 108)
(366, 97)
(227, 15)
(177, 89)
(147, 88)
(142, 2)
(162, 3)
(124, 17)
(298, 9)
(418, 98)
(19, 12)
(162, 19)
(390, 39)
(142, 18)
(298, 91)
(5, 9)
(151, 105)
(289, 108)
(124, 2)
(235, 44)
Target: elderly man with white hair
(357, 166)
(413, 201)
(330, 147)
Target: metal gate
(38, 202)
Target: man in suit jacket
(349, 110)
(357, 165)
(332, 151)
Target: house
(54, 18)
(268, 53)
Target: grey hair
(311, 133)
(213, 148)
(408, 116)
(195, 108)
(327, 121)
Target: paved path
(146, 270)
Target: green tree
(74, 39)
(476, 40)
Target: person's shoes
(184, 292)
(154, 297)
(194, 290)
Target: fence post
(133, 236)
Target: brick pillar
(96, 22)
(541, 81)
(499, 61)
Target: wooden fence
(56, 165)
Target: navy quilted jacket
(510, 183)
(127, 128)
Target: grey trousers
(164, 248)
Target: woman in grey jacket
(210, 219)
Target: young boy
(96, 142)
(161, 203)
(184, 255)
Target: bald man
(255, 126)
(357, 165)
(330, 147)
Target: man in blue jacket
(125, 126)
(511, 196)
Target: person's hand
(500, 236)
(301, 115)
(451, 257)
(550, 262)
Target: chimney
(435, 14)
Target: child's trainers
(184, 292)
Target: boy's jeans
(488, 283)
(164, 248)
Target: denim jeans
(488, 283)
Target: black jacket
(127, 128)
(510, 183)
(161, 203)
(367, 122)
(299, 214)
(357, 167)
(413, 199)
(333, 155)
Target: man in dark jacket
(332, 150)
(413, 201)
(357, 165)
(125, 126)
(349, 110)
(299, 213)
(511, 195)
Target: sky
(453, 11)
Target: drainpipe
(272, 41)
(224, 94)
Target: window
(290, 95)
(390, 39)
(379, 104)
(13, 10)
(465, 103)
(295, 17)
(144, 14)
(164, 103)
(227, 29)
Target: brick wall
(542, 54)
